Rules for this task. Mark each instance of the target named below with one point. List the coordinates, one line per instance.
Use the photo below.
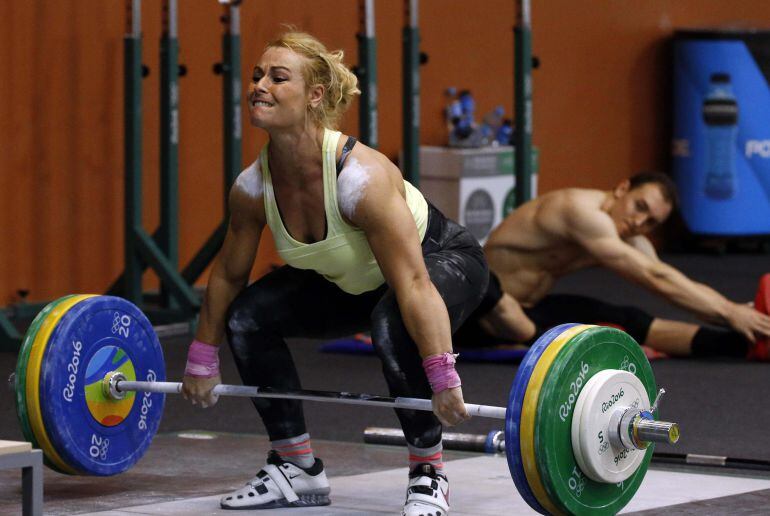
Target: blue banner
(721, 138)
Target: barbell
(90, 388)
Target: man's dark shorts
(551, 311)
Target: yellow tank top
(344, 256)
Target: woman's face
(278, 96)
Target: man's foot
(427, 493)
(761, 349)
(281, 484)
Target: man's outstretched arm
(596, 233)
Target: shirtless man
(571, 229)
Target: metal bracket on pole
(195, 267)
(154, 256)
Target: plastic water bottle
(720, 112)
(453, 110)
(504, 134)
(468, 107)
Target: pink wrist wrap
(202, 360)
(440, 370)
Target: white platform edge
(480, 486)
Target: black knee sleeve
(567, 308)
(717, 342)
(634, 321)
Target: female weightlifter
(363, 251)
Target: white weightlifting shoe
(281, 484)
(427, 493)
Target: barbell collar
(628, 419)
(346, 398)
(110, 385)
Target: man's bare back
(533, 246)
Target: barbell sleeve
(347, 398)
(657, 431)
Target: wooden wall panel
(601, 106)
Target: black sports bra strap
(345, 152)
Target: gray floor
(721, 407)
(490, 492)
(186, 476)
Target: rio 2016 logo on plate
(107, 411)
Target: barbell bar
(644, 427)
(117, 386)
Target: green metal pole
(525, 180)
(178, 287)
(411, 93)
(205, 255)
(169, 142)
(367, 75)
(132, 284)
(231, 96)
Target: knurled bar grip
(347, 398)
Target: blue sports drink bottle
(720, 112)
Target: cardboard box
(475, 187)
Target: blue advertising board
(721, 136)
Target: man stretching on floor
(572, 229)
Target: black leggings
(551, 311)
(289, 303)
(556, 309)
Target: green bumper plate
(586, 354)
(21, 375)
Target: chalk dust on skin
(351, 185)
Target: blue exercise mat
(355, 346)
